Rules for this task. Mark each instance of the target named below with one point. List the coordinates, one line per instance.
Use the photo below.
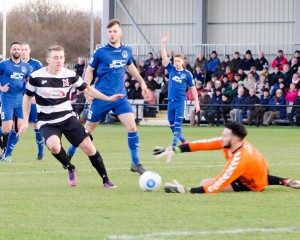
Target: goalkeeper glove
(174, 187)
(169, 152)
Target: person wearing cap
(260, 61)
(247, 62)
(280, 60)
(265, 71)
(211, 65)
(235, 62)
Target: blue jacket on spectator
(211, 65)
(238, 102)
(281, 110)
(265, 101)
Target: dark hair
(112, 23)
(15, 43)
(238, 129)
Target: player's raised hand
(165, 38)
(169, 152)
(5, 88)
(22, 129)
(116, 96)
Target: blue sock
(71, 150)
(11, 143)
(133, 143)
(39, 142)
(178, 134)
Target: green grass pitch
(37, 203)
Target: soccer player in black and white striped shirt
(51, 87)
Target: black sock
(197, 190)
(273, 180)
(5, 139)
(98, 163)
(63, 158)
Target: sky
(77, 4)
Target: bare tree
(43, 23)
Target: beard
(228, 145)
(16, 55)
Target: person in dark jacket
(273, 77)
(211, 65)
(277, 108)
(235, 62)
(295, 113)
(212, 111)
(225, 107)
(251, 101)
(247, 62)
(261, 61)
(236, 112)
(261, 108)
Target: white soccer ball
(150, 181)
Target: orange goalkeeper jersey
(246, 164)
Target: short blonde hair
(54, 48)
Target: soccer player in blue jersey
(34, 65)
(111, 61)
(179, 81)
(14, 74)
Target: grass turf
(37, 203)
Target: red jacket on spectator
(279, 62)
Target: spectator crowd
(243, 89)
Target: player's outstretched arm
(92, 92)
(196, 101)
(164, 55)
(26, 110)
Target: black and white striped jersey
(52, 94)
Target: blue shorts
(33, 114)
(176, 111)
(11, 108)
(100, 108)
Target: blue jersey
(34, 64)
(14, 74)
(111, 63)
(178, 83)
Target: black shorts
(71, 128)
(239, 187)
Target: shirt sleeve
(31, 86)
(207, 144)
(233, 170)
(95, 60)
(190, 79)
(79, 83)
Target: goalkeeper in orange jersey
(245, 170)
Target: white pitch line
(162, 235)
(167, 166)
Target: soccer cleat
(137, 168)
(293, 183)
(7, 159)
(158, 150)
(109, 184)
(40, 157)
(72, 180)
(174, 187)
